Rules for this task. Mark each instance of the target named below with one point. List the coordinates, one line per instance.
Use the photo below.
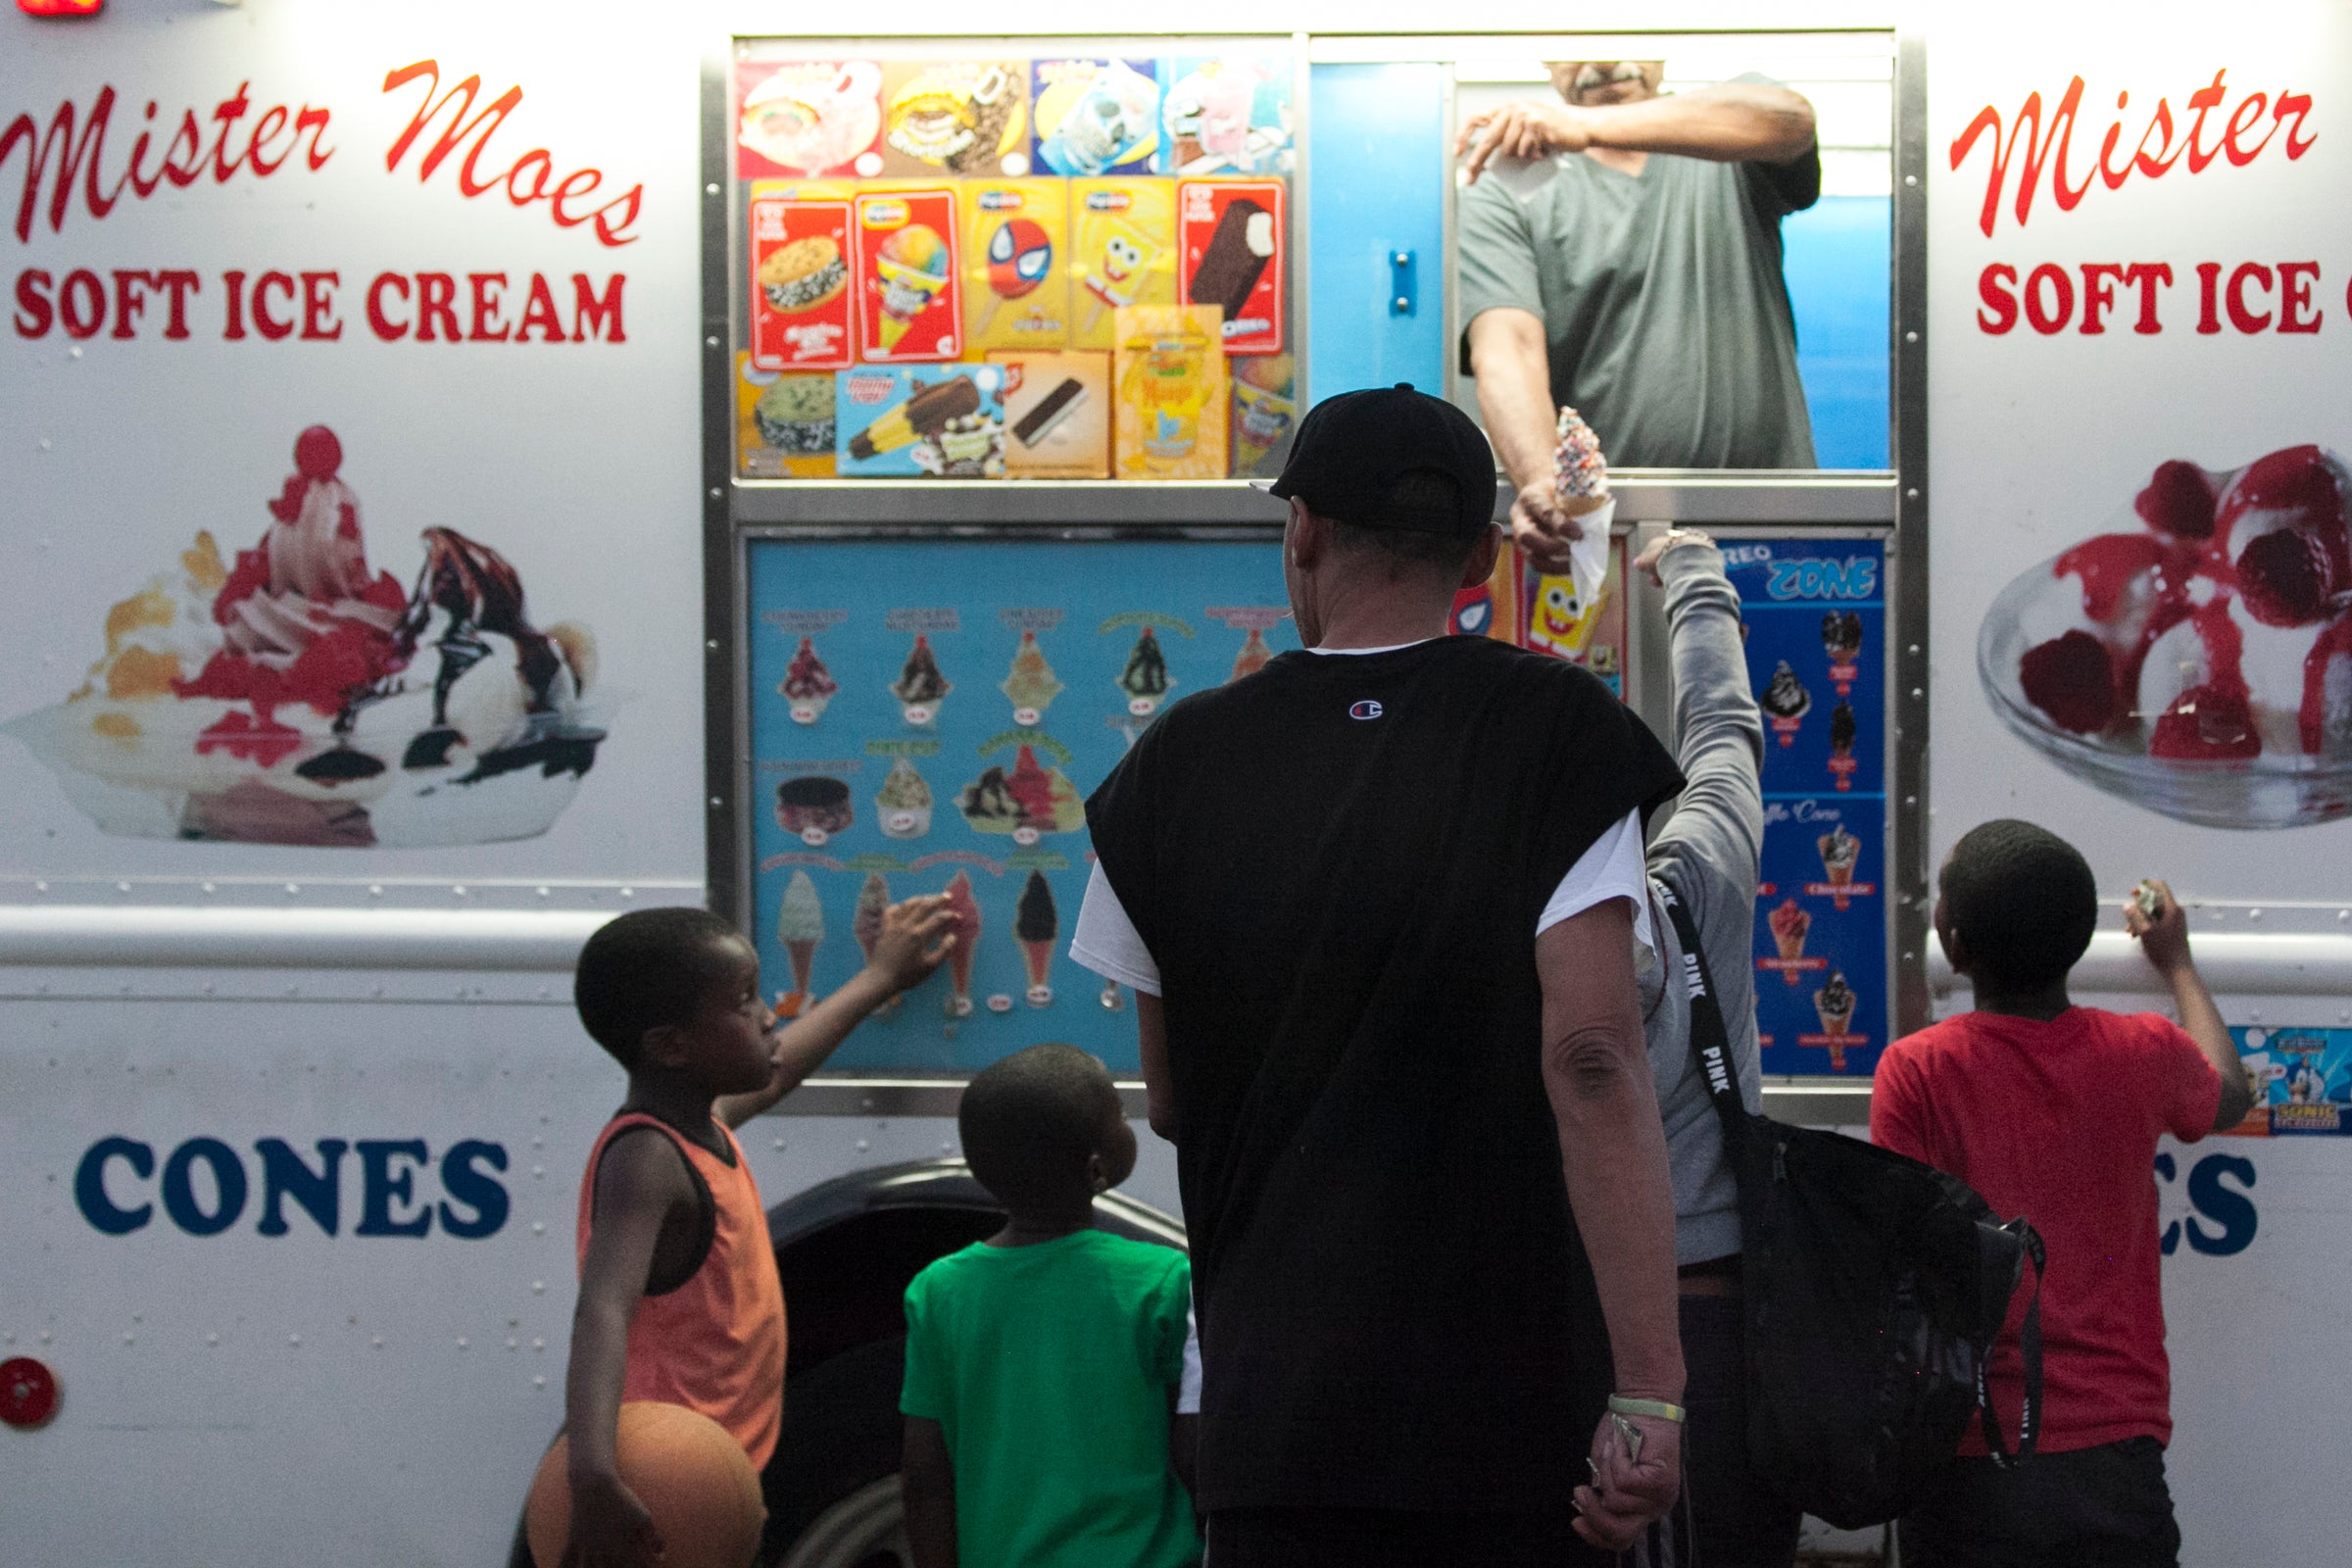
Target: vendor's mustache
(1592, 73)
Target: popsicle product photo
(1122, 253)
(1232, 236)
(801, 308)
(1169, 421)
(1056, 414)
(1097, 116)
(909, 304)
(1227, 115)
(808, 118)
(933, 421)
(963, 116)
(1016, 272)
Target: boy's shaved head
(1031, 1121)
(2022, 903)
(646, 968)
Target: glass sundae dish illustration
(296, 697)
(910, 270)
(1037, 925)
(1144, 679)
(1253, 657)
(964, 927)
(1784, 702)
(903, 804)
(814, 807)
(1031, 686)
(1842, 635)
(1789, 923)
(1029, 801)
(2198, 660)
(808, 685)
(1840, 850)
(920, 686)
(800, 927)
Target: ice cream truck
(469, 472)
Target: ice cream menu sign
(929, 717)
(1815, 653)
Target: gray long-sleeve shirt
(1708, 854)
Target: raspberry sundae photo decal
(293, 696)
(2197, 658)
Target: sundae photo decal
(1784, 702)
(2197, 659)
(294, 697)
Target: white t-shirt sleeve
(1612, 868)
(1106, 940)
(1187, 1388)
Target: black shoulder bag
(1874, 1289)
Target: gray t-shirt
(1708, 854)
(1661, 298)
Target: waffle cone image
(804, 961)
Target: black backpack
(1874, 1287)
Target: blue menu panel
(929, 716)
(1816, 613)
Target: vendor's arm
(1737, 123)
(1513, 365)
(915, 940)
(1613, 1156)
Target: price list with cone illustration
(928, 717)
(1816, 615)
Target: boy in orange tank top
(679, 1299)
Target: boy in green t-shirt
(1043, 1364)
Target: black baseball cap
(1352, 450)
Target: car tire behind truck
(846, 1249)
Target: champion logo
(1367, 709)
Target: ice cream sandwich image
(1238, 252)
(1055, 406)
(803, 275)
(925, 414)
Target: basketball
(691, 1476)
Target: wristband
(1656, 1409)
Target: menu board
(929, 716)
(1816, 615)
(953, 207)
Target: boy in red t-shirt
(2053, 1112)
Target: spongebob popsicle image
(1123, 251)
(1557, 619)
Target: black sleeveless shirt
(1338, 864)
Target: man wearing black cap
(1378, 903)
